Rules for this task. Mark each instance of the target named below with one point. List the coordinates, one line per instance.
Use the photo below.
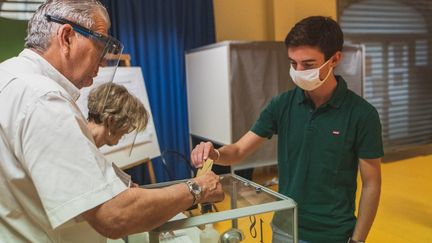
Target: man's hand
(228, 154)
(211, 188)
(203, 151)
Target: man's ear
(337, 57)
(65, 37)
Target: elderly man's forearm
(138, 210)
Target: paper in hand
(207, 166)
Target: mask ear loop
(329, 72)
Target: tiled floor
(405, 211)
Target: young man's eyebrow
(308, 60)
(303, 61)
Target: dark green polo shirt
(318, 152)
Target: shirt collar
(340, 92)
(336, 99)
(46, 69)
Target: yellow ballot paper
(207, 166)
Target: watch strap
(190, 185)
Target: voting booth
(229, 83)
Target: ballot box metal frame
(283, 203)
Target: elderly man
(55, 185)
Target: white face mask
(309, 79)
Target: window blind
(397, 37)
(18, 9)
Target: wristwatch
(195, 190)
(355, 241)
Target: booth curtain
(156, 33)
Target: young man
(326, 133)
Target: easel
(149, 165)
(125, 61)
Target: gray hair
(40, 31)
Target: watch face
(196, 188)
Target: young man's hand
(202, 152)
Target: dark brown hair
(317, 31)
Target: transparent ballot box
(249, 213)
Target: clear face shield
(111, 50)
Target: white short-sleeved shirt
(50, 169)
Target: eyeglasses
(112, 46)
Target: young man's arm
(370, 172)
(228, 154)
